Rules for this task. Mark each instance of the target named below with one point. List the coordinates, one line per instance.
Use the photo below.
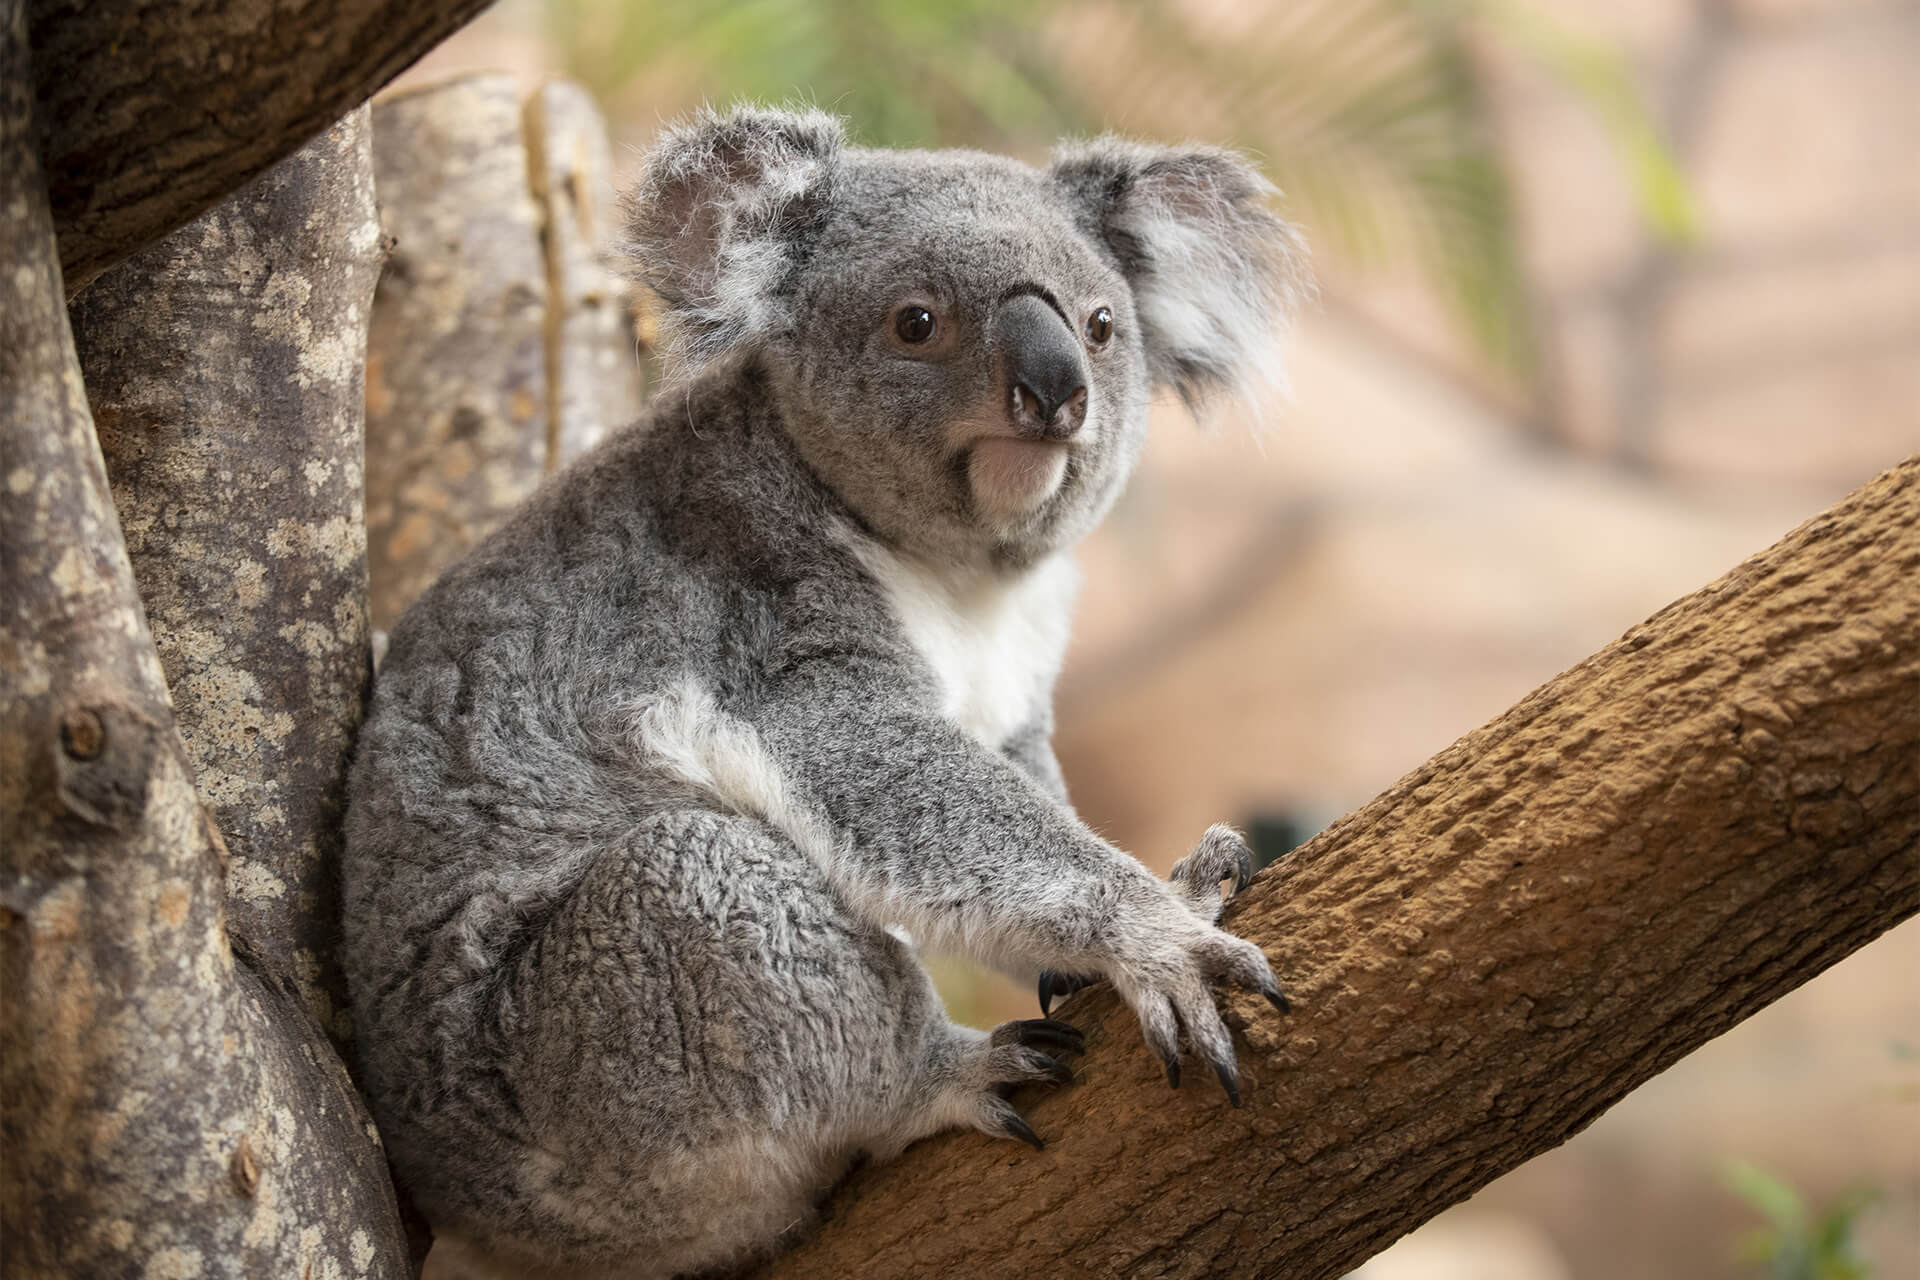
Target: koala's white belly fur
(994, 643)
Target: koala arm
(1031, 750)
(916, 823)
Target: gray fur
(652, 778)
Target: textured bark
(162, 1112)
(1648, 849)
(223, 366)
(593, 370)
(152, 111)
(456, 360)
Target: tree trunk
(502, 342)
(1647, 850)
(593, 378)
(165, 1110)
(456, 366)
(223, 367)
(153, 112)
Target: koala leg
(696, 1044)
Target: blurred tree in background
(1369, 114)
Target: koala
(661, 786)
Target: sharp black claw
(1242, 868)
(1052, 1034)
(1228, 1081)
(1278, 999)
(1173, 1073)
(1055, 985)
(1059, 1072)
(1015, 1127)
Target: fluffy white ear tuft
(721, 213)
(1216, 276)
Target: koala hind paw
(1020, 1053)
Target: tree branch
(1648, 849)
(152, 112)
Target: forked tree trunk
(223, 367)
(166, 1109)
(1648, 849)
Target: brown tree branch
(161, 1111)
(1647, 850)
(154, 111)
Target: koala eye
(913, 324)
(1100, 327)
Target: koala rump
(658, 782)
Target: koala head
(964, 346)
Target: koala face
(963, 345)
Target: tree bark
(593, 372)
(153, 112)
(1645, 851)
(457, 356)
(223, 366)
(163, 1112)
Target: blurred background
(1613, 294)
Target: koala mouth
(1012, 477)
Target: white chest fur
(994, 642)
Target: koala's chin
(1012, 479)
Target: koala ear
(1216, 276)
(721, 215)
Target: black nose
(1045, 367)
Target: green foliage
(1791, 1245)
(906, 72)
(1368, 113)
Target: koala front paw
(1018, 1053)
(1169, 954)
(1221, 857)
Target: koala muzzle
(1046, 370)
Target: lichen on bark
(223, 365)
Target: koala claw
(1230, 1081)
(1016, 1127)
(1041, 1032)
(1054, 984)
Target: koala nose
(1045, 367)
